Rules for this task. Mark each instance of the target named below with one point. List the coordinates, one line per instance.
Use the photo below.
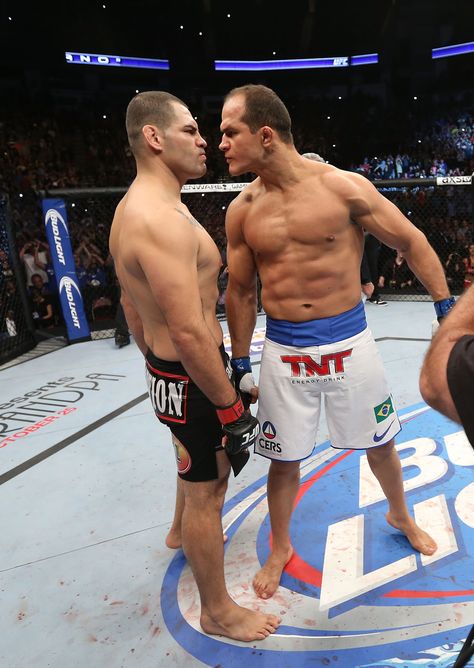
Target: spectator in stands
(89, 252)
(464, 232)
(43, 262)
(8, 306)
(37, 283)
(10, 324)
(372, 248)
(9, 294)
(396, 273)
(32, 254)
(5, 267)
(81, 271)
(469, 267)
(43, 312)
(96, 276)
(455, 270)
(96, 299)
(122, 333)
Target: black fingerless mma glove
(239, 425)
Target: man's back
(160, 253)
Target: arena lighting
(453, 50)
(297, 64)
(365, 59)
(116, 61)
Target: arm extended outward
(385, 221)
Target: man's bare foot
(419, 539)
(173, 539)
(240, 624)
(266, 582)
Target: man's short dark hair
(153, 107)
(264, 107)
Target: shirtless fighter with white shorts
(300, 225)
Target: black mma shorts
(460, 374)
(195, 428)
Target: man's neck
(159, 176)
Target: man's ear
(152, 137)
(266, 134)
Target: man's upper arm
(240, 258)
(168, 258)
(377, 214)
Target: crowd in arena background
(62, 148)
(70, 150)
(447, 150)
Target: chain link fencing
(442, 208)
(17, 331)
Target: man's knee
(284, 468)
(205, 495)
(379, 454)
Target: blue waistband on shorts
(320, 331)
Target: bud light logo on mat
(355, 593)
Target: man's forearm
(200, 355)
(241, 310)
(426, 266)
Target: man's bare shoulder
(142, 212)
(344, 183)
(245, 198)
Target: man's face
(37, 281)
(183, 147)
(241, 148)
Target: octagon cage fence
(442, 207)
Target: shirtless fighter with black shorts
(167, 266)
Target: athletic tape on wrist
(241, 364)
(443, 306)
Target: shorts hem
(289, 461)
(365, 447)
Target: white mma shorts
(348, 374)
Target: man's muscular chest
(275, 223)
(209, 259)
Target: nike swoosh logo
(378, 438)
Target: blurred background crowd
(62, 127)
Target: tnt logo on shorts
(383, 410)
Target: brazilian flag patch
(383, 410)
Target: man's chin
(234, 170)
(199, 173)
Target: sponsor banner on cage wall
(355, 593)
(55, 220)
